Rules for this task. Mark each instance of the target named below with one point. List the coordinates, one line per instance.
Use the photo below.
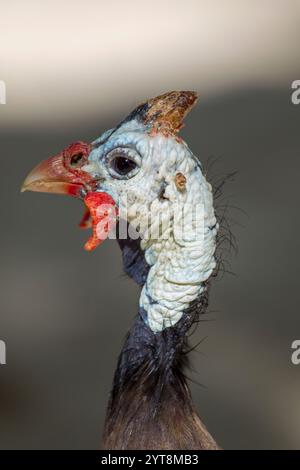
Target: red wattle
(86, 221)
(103, 212)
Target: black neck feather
(150, 405)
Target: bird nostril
(76, 160)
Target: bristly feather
(226, 243)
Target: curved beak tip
(32, 182)
(26, 185)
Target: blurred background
(73, 69)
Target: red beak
(62, 173)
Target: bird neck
(174, 256)
(150, 405)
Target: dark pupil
(76, 159)
(123, 165)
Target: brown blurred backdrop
(71, 71)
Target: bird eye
(122, 163)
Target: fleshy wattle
(103, 212)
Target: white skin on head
(180, 262)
